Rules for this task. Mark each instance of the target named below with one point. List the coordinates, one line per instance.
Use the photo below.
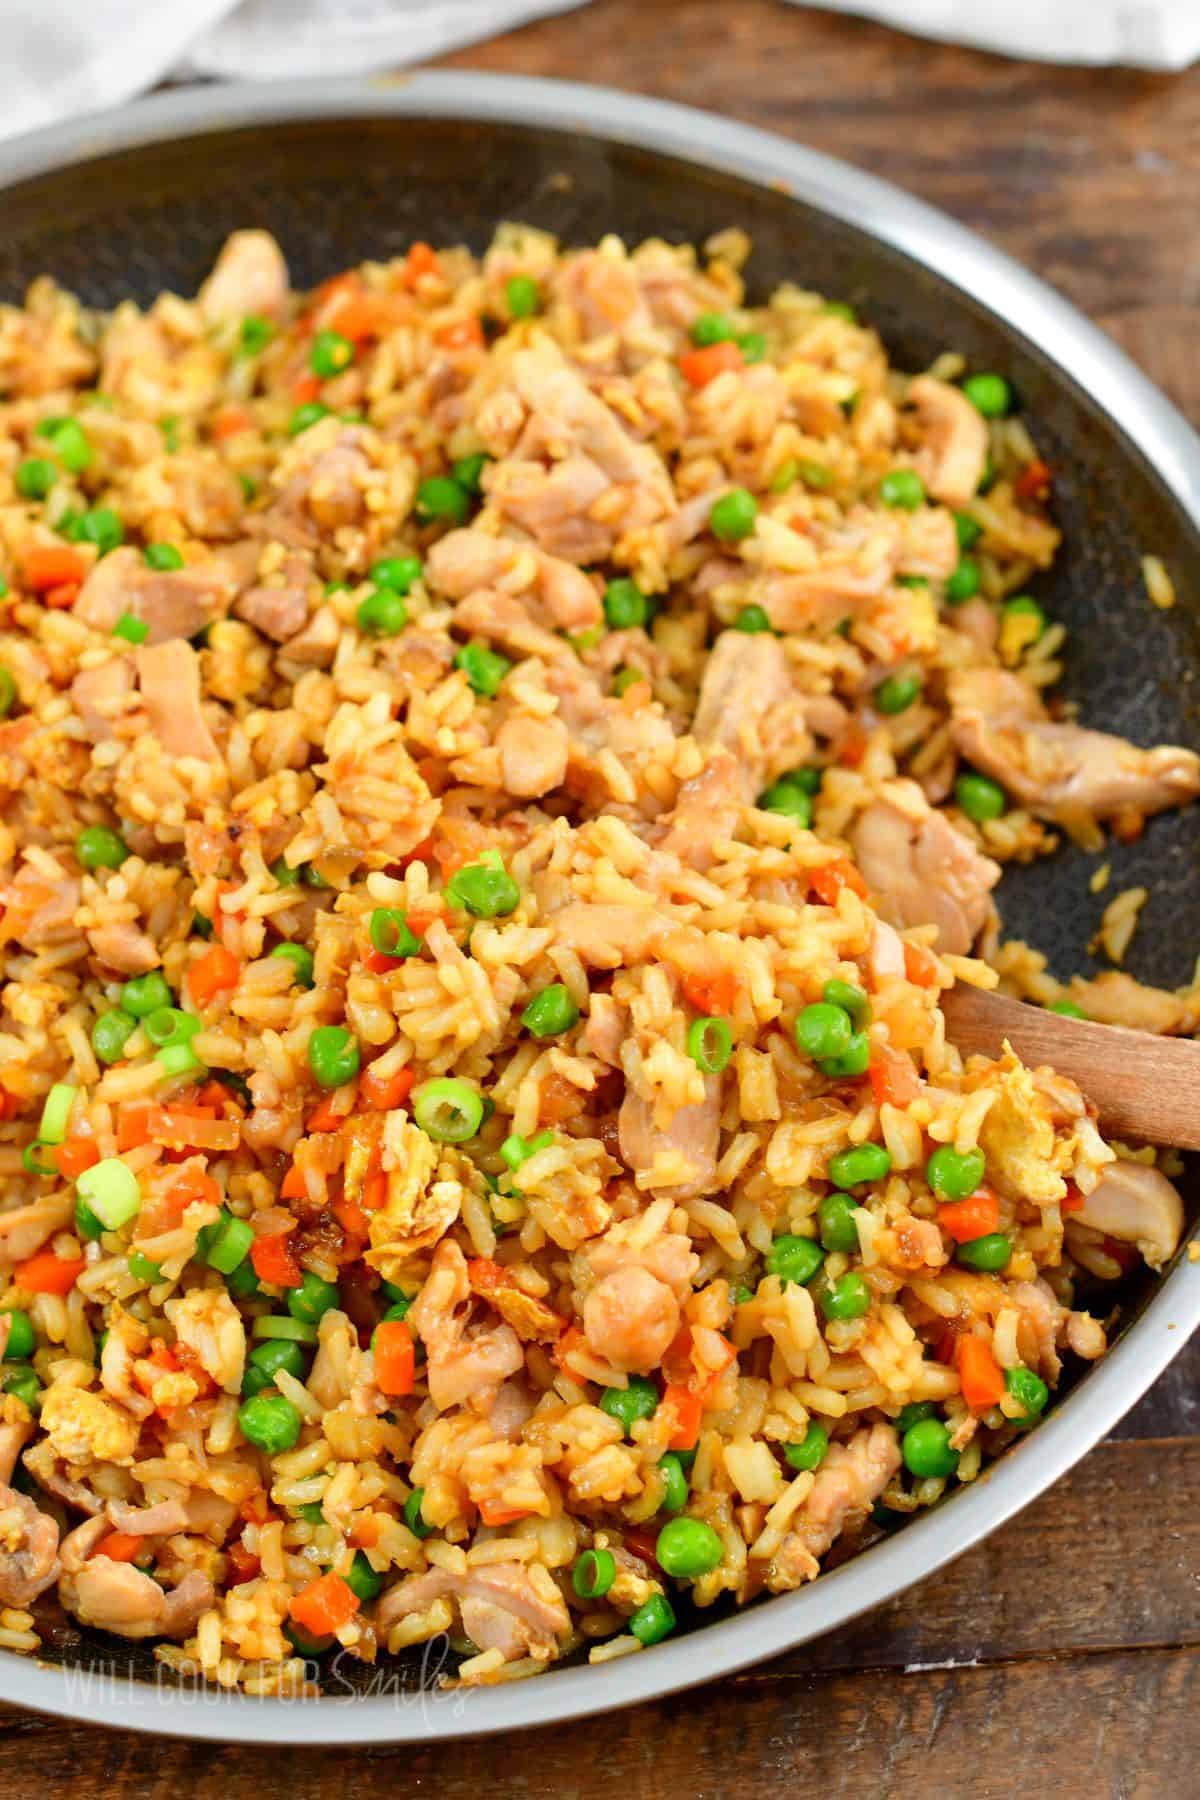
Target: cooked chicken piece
(160, 1520)
(249, 276)
(629, 1318)
(1062, 772)
(607, 936)
(1136, 1204)
(459, 1367)
(819, 599)
(467, 561)
(606, 1028)
(169, 678)
(324, 481)
(201, 488)
(748, 705)
(508, 1606)
(920, 870)
(101, 695)
(24, 1229)
(1043, 1321)
(954, 452)
(605, 293)
(597, 721)
(28, 1549)
(122, 946)
(114, 1596)
(706, 812)
(278, 606)
(693, 1134)
(533, 755)
(849, 1481)
(573, 451)
(174, 603)
(885, 958)
(14, 1435)
(317, 643)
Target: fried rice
(501, 758)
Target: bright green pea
(810, 1452)
(980, 797)
(733, 516)
(102, 527)
(99, 848)
(989, 394)
(333, 1055)
(675, 1481)
(967, 530)
(752, 619)
(311, 413)
(625, 605)
(131, 629)
(964, 583)
(1024, 606)
(1030, 1390)
(22, 1338)
(823, 1031)
(711, 328)
(753, 346)
(468, 470)
(35, 477)
(483, 890)
(926, 1450)
(270, 1423)
(794, 1258)
(312, 1299)
(786, 796)
(413, 1517)
(110, 1034)
(440, 497)
(145, 994)
(398, 573)
(381, 614)
(653, 1621)
(551, 1012)
(628, 1404)
(362, 1579)
(896, 693)
(953, 1175)
(522, 297)
(865, 1162)
(902, 488)
(483, 667)
(688, 1548)
(254, 334)
(835, 1217)
(330, 354)
(23, 1382)
(848, 1297)
(988, 1254)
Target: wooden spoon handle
(1143, 1087)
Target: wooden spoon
(1143, 1087)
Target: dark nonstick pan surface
(129, 206)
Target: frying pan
(130, 203)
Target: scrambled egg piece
(208, 1322)
(1024, 1160)
(84, 1427)
(419, 1208)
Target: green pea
(752, 619)
(102, 527)
(522, 297)
(711, 328)
(625, 605)
(145, 994)
(1030, 1390)
(301, 959)
(967, 530)
(953, 1175)
(688, 1548)
(551, 1012)
(794, 1258)
(468, 470)
(304, 417)
(848, 1297)
(483, 667)
(835, 1216)
(823, 1031)
(131, 629)
(330, 354)
(23, 1382)
(733, 516)
(628, 1404)
(22, 1337)
(810, 1452)
(865, 1162)
(254, 334)
(675, 1481)
(333, 1055)
(980, 797)
(896, 693)
(35, 477)
(312, 1299)
(413, 1517)
(988, 1254)
(399, 573)
(964, 583)
(99, 848)
(483, 890)
(1067, 1009)
(786, 796)
(989, 394)
(381, 614)
(441, 497)
(854, 1060)
(162, 556)
(902, 488)
(110, 1034)
(269, 1422)
(926, 1450)
(362, 1579)
(1024, 606)
(913, 1413)
(753, 346)
(653, 1621)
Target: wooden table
(1061, 1656)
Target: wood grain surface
(1063, 1656)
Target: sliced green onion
(448, 1110)
(170, 1025)
(178, 1059)
(709, 1044)
(517, 1150)
(110, 1188)
(300, 1331)
(230, 1245)
(131, 628)
(391, 934)
(56, 1112)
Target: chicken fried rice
(500, 759)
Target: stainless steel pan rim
(1167, 441)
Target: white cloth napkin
(65, 57)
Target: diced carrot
(193, 1127)
(216, 1094)
(120, 1546)
(643, 1544)
(45, 1273)
(10, 1105)
(62, 597)
(242, 1564)
(326, 1115)
(828, 881)
(195, 1184)
(699, 367)
(422, 259)
(980, 1374)
(375, 1190)
(975, 1217)
(216, 970)
(306, 389)
(378, 964)
(50, 565)
(1034, 482)
(1072, 1200)
(395, 1357)
(714, 994)
(571, 1340)
(293, 1185)
(493, 1514)
(464, 334)
(324, 1605)
(364, 316)
(351, 1217)
(366, 1533)
(853, 746)
(687, 1408)
(76, 1155)
(485, 1275)
(894, 1081)
(920, 965)
(272, 1260)
(229, 422)
(385, 1093)
(133, 1127)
